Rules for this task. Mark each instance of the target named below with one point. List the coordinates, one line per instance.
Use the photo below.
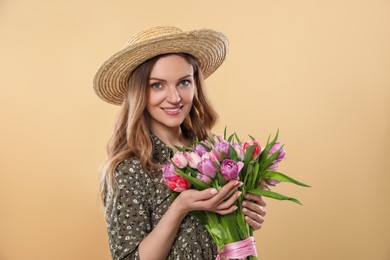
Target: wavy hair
(131, 134)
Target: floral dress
(141, 203)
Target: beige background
(317, 70)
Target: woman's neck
(172, 137)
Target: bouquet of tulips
(212, 163)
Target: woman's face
(170, 92)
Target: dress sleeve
(128, 213)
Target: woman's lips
(173, 111)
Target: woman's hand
(254, 210)
(221, 202)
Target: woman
(158, 81)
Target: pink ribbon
(238, 250)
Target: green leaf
(274, 195)
(284, 178)
(248, 154)
(253, 139)
(267, 162)
(232, 153)
(221, 180)
(224, 133)
(230, 138)
(181, 149)
(264, 153)
(238, 139)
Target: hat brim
(207, 46)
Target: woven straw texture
(209, 47)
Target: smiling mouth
(172, 109)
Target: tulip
(273, 182)
(230, 169)
(177, 183)
(273, 166)
(256, 152)
(207, 167)
(180, 160)
(275, 148)
(238, 150)
(206, 179)
(210, 156)
(200, 149)
(193, 159)
(221, 150)
(169, 171)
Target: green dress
(142, 201)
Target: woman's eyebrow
(163, 80)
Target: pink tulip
(180, 160)
(178, 184)
(206, 179)
(273, 166)
(207, 167)
(275, 148)
(210, 156)
(193, 159)
(238, 150)
(230, 169)
(256, 152)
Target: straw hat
(209, 48)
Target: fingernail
(247, 196)
(235, 207)
(241, 183)
(213, 191)
(239, 193)
(244, 210)
(244, 204)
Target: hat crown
(153, 33)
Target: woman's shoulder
(130, 166)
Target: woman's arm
(158, 243)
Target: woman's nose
(173, 95)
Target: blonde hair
(131, 136)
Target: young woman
(158, 81)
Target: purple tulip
(200, 149)
(230, 169)
(275, 148)
(273, 166)
(221, 150)
(207, 167)
(206, 179)
(169, 171)
(273, 182)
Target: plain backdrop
(316, 70)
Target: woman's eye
(185, 83)
(156, 85)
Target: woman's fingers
(225, 192)
(229, 202)
(256, 198)
(253, 223)
(251, 206)
(227, 211)
(254, 210)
